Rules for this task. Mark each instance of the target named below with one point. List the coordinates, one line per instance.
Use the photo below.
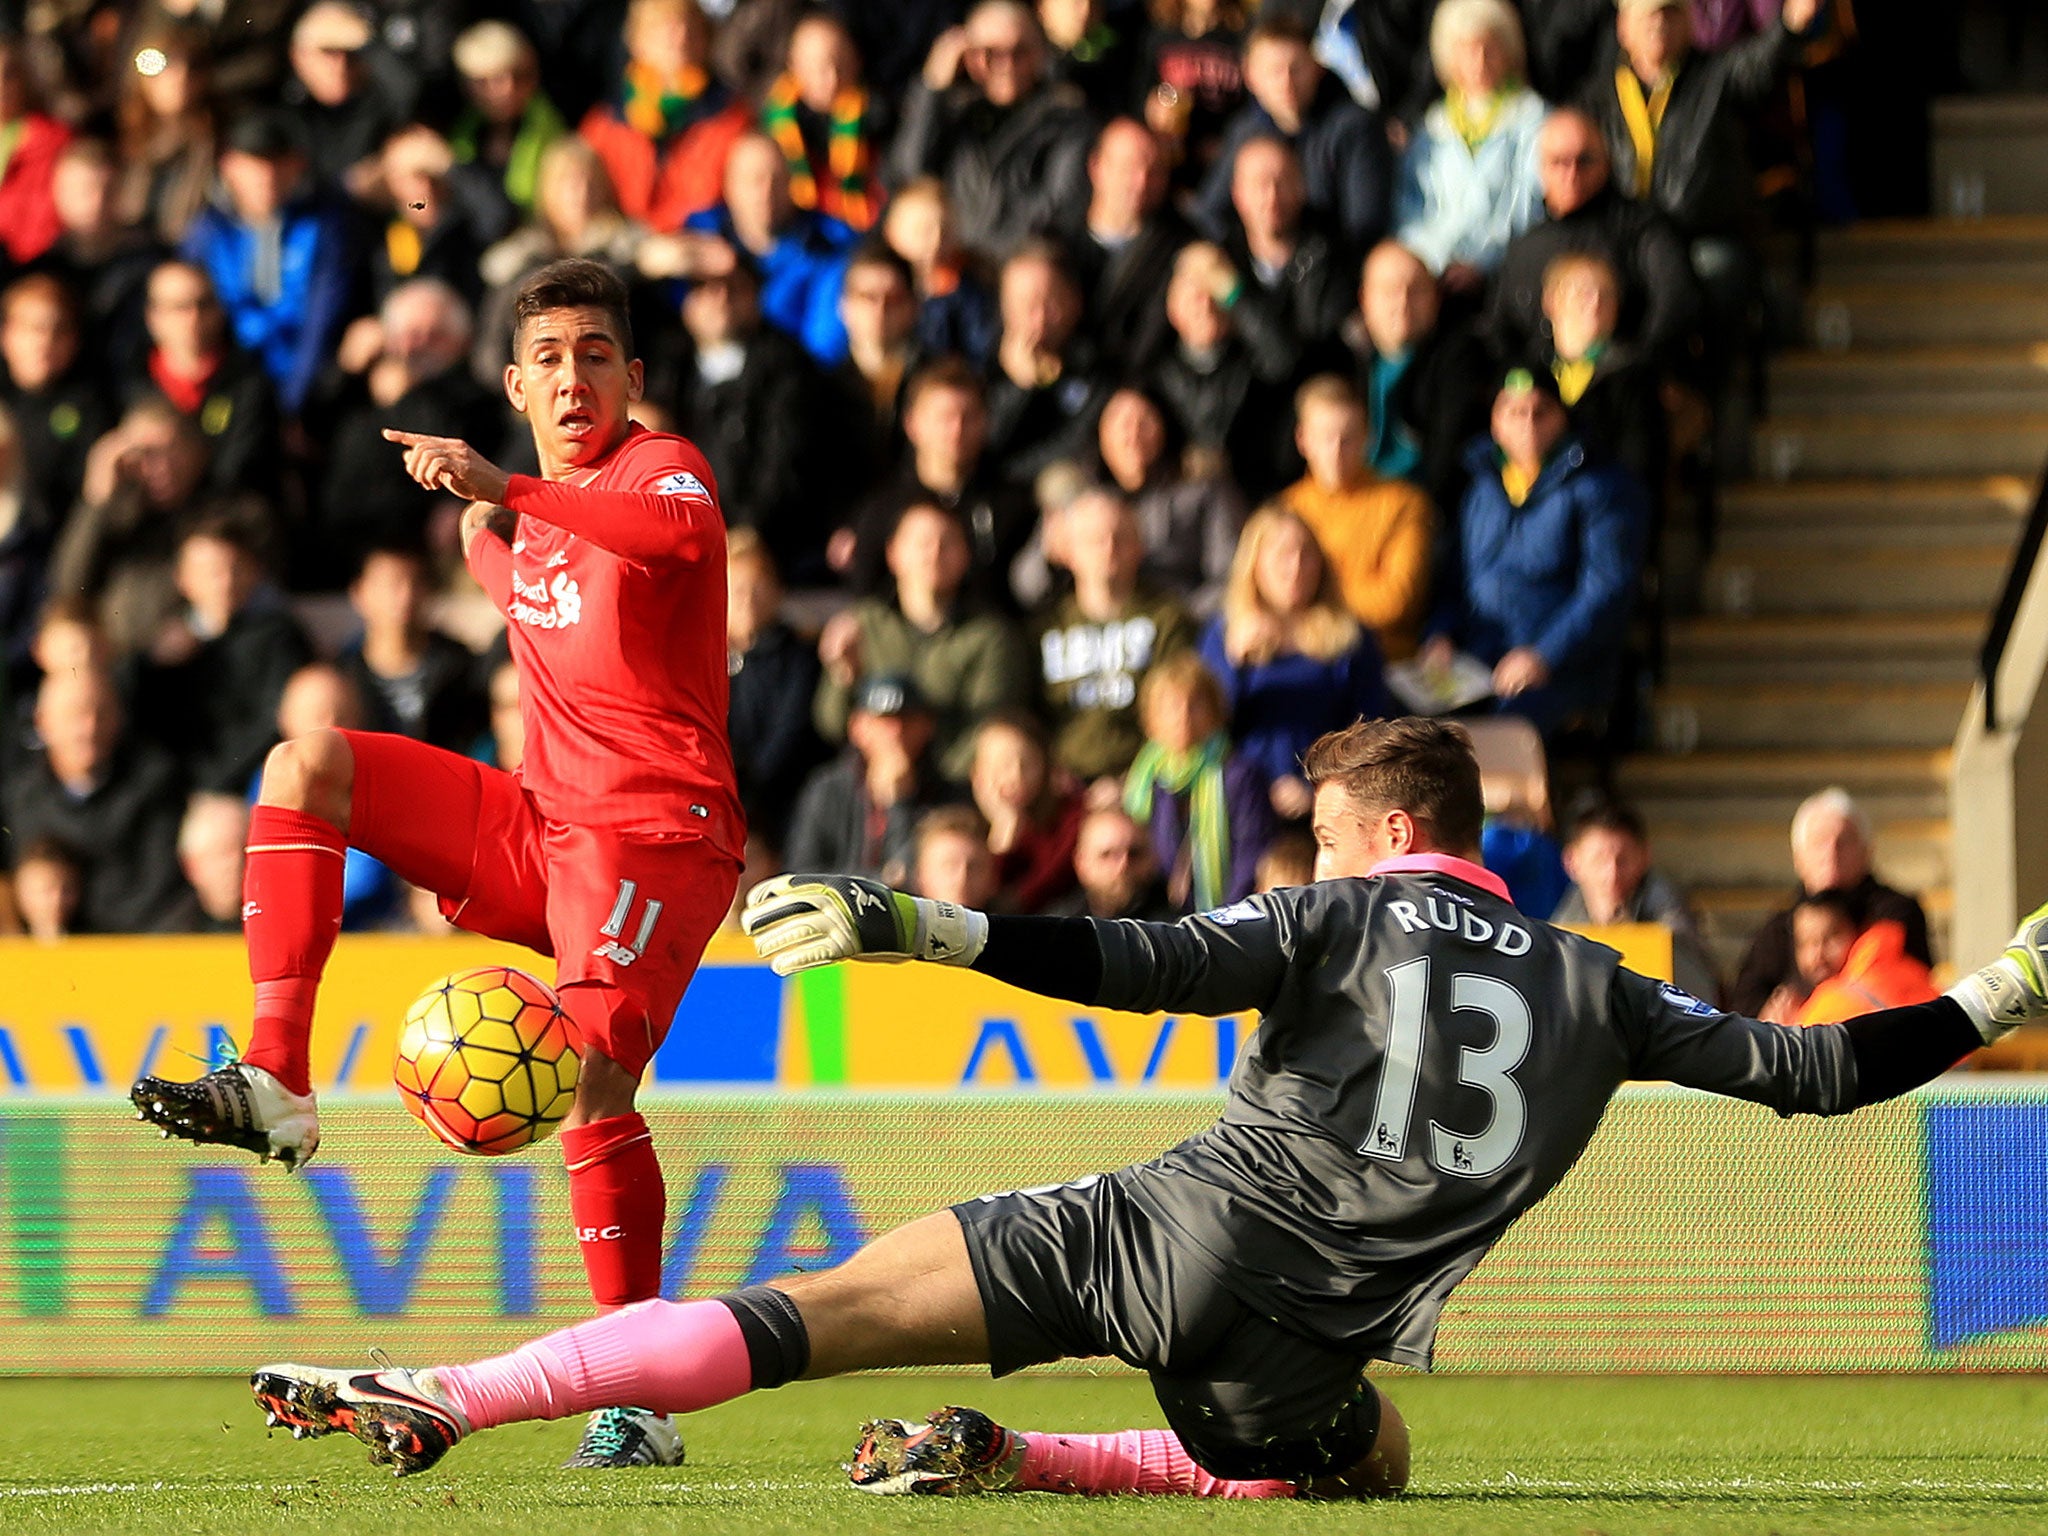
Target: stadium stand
(991, 337)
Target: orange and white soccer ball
(488, 1061)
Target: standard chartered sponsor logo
(1101, 661)
(545, 604)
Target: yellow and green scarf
(1472, 117)
(1574, 375)
(661, 105)
(1645, 118)
(1198, 775)
(850, 197)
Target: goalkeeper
(1428, 1065)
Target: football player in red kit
(615, 848)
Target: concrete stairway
(1852, 583)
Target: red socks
(619, 1205)
(291, 912)
(1135, 1461)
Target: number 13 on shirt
(1463, 1154)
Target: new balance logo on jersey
(612, 949)
(545, 604)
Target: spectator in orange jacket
(664, 134)
(1852, 973)
(1375, 531)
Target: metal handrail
(2006, 614)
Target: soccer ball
(487, 1060)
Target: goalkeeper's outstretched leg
(962, 1451)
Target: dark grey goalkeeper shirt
(1429, 1063)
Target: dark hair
(396, 546)
(1601, 814)
(97, 152)
(1278, 29)
(44, 285)
(1286, 856)
(947, 372)
(926, 504)
(574, 283)
(960, 820)
(1009, 717)
(1423, 767)
(50, 850)
(226, 525)
(878, 253)
(1839, 902)
(1174, 443)
(1049, 254)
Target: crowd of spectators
(1124, 385)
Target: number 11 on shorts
(615, 926)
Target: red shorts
(626, 917)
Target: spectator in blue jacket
(1347, 168)
(1543, 575)
(801, 256)
(1293, 661)
(280, 254)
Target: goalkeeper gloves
(800, 921)
(2012, 989)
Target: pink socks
(677, 1357)
(671, 1357)
(1135, 1461)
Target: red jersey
(613, 593)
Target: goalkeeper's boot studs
(629, 1437)
(237, 1106)
(955, 1451)
(402, 1416)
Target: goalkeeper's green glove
(2013, 989)
(798, 921)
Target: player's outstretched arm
(1831, 1068)
(1199, 965)
(801, 921)
(449, 464)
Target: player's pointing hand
(449, 464)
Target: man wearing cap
(277, 251)
(1543, 573)
(343, 114)
(859, 813)
(509, 119)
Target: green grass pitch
(1572, 1455)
